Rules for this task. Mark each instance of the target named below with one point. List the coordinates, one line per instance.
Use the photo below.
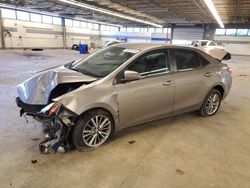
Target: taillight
(229, 70)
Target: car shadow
(156, 124)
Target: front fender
(97, 96)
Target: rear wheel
(93, 129)
(211, 103)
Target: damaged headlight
(57, 110)
(54, 109)
(50, 110)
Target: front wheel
(211, 103)
(93, 129)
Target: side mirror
(131, 75)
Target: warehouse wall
(80, 35)
(126, 36)
(0, 37)
(185, 35)
(135, 37)
(237, 45)
(1, 28)
(25, 34)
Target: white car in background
(203, 43)
(210, 48)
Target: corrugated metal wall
(0, 37)
(1, 27)
(188, 33)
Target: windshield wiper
(68, 65)
(84, 72)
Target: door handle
(168, 83)
(208, 74)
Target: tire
(88, 133)
(207, 109)
(75, 47)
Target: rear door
(191, 79)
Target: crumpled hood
(36, 90)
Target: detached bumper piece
(56, 134)
(29, 109)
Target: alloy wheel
(212, 103)
(96, 131)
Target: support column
(204, 31)
(64, 33)
(2, 31)
(172, 34)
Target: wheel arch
(220, 89)
(217, 86)
(112, 112)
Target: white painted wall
(237, 45)
(130, 36)
(25, 34)
(185, 35)
(0, 39)
(160, 37)
(134, 36)
(81, 35)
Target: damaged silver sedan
(84, 102)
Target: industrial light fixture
(112, 13)
(214, 12)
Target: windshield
(104, 62)
(204, 43)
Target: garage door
(188, 33)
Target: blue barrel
(83, 48)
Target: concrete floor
(182, 151)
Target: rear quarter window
(186, 59)
(203, 61)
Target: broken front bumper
(58, 125)
(29, 109)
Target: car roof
(142, 46)
(148, 46)
(202, 40)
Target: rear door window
(186, 60)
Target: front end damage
(35, 99)
(58, 122)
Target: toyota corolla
(83, 103)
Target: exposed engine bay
(56, 119)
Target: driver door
(151, 96)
